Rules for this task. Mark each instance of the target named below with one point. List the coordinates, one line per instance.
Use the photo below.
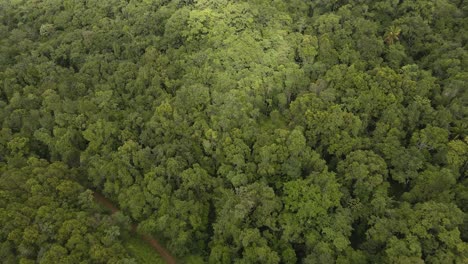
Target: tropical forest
(233, 131)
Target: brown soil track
(148, 238)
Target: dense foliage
(235, 131)
(45, 214)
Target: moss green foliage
(141, 251)
(258, 131)
(46, 215)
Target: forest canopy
(259, 131)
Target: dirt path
(149, 239)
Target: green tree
(392, 35)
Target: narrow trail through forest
(147, 238)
